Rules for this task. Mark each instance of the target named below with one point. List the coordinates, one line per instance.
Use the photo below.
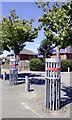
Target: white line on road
(27, 107)
(23, 103)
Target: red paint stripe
(53, 69)
(13, 65)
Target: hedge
(37, 64)
(65, 64)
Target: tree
(0, 37)
(16, 32)
(57, 22)
(45, 48)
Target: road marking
(22, 103)
(27, 107)
(33, 111)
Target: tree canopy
(0, 37)
(45, 48)
(57, 22)
(16, 32)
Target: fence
(23, 65)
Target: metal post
(58, 53)
(68, 69)
(27, 84)
(0, 71)
(56, 94)
(4, 75)
(13, 77)
(10, 77)
(46, 82)
(47, 93)
(53, 95)
(50, 94)
(52, 90)
(0, 68)
(59, 93)
(48, 100)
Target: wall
(63, 56)
(26, 57)
(66, 77)
(69, 55)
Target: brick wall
(63, 56)
(26, 57)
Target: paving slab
(16, 103)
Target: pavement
(16, 103)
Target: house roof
(66, 50)
(28, 52)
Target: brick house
(26, 54)
(64, 53)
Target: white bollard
(4, 75)
(68, 69)
(13, 77)
(0, 71)
(27, 84)
(52, 84)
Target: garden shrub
(70, 65)
(36, 64)
(65, 64)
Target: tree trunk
(58, 53)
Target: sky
(26, 10)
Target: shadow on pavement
(31, 90)
(67, 99)
(22, 75)
(33, 80)
(38, 81)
